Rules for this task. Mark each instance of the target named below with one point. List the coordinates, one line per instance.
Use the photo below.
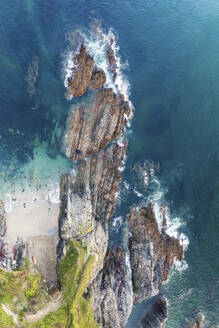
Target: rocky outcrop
(91, 128)
(112, 59)
(197, 321)
(132, 276)
(112, 291)
(3, 226)
(81, 73)
(157, 315)
(123, 277)
(152, 253)
(98, 79)
(88, 199)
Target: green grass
(74, 273)
(6, 321)
(23, 291)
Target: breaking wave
(97, 42)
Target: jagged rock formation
(112, 291)
(98, 79)
(82, 72)
(91, 128)
(157, 314)
(14, 260)
(123, 277)
(88, 199)
(130, 278)
(112, 59)
(152, 253)
(2, 220)
(85, 74)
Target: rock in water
(152, 253)
(157, 315)
(196, 321)
(3, 226)
(91, 128)
(82, 72)
(123, 277)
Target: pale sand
(36, 218)
(33, 216)
(31, 213)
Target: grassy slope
(74, 272)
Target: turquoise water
(172, 48)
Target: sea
(169, 70)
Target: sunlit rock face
(82, 72)
(152, 253)
(88, 198)
(136, 274)
(112, 290)
(92, 127)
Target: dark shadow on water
(160, 117)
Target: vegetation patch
(22, 289)
(6, 321)
(76, 310)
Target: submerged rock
(196, 321)
(3, 226)
(157, 314)
(91, 128)
(152, 253)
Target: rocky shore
(100, 286)
(127, 275)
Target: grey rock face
(88, 197)
(2, 220)
(112, 290)
(152, 253)
(87, 201)
(157, 315)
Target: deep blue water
(173, 52)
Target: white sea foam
(137, 193)
(171, 225)
(54, 194)
(117, 223)
(97, 42)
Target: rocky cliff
(152, 253)
(91, 128)
(126, 276)
(156, 316)
(88, 199)
(2, 220)
(137, 274)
